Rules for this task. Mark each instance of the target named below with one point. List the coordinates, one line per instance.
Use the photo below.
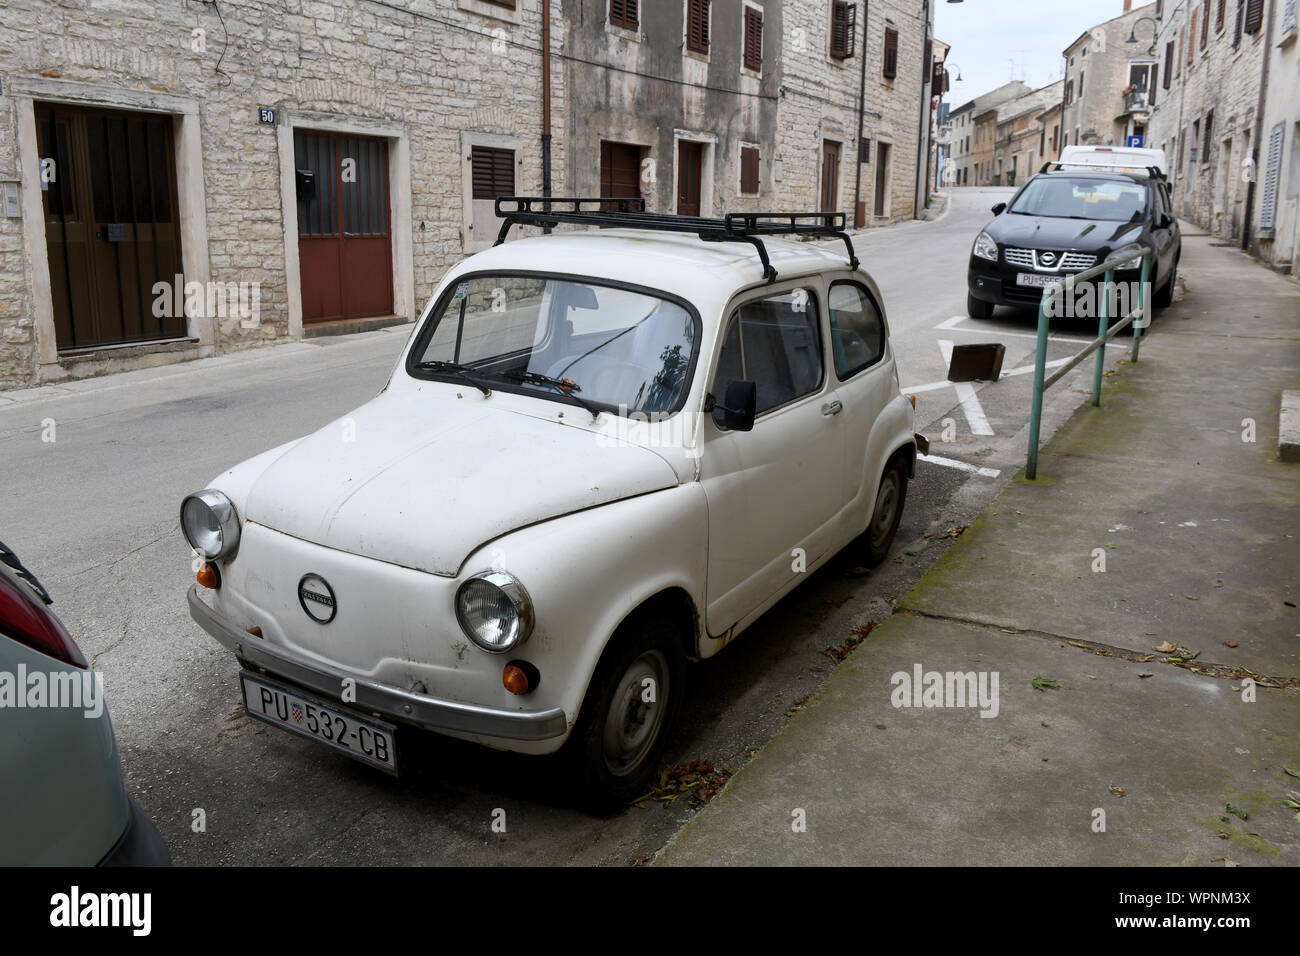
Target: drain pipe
(924, 126)
(860, 219)
(546, 105)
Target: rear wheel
(888, 512)
(629, 711)
(978, 308)
(1163, 297)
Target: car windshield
(579, 342)
(1081, 199)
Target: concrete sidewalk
(1197, 529)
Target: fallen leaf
(1229, 643)
(1118, 791)
(1045, 683)
(1237, 812)
(1293, 772)
(1166, 647)
(1141, 676)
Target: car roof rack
(748, 227)
(1155, 172)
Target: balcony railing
(1136, 102)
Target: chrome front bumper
(372, 697)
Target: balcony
(1136, 101)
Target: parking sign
(1134, 141)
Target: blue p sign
(1134, 142)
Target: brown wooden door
(344, 241)
(620, 170)
(690, 158)
(830, 175)
(111, 229)
(882, 177)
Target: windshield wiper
(565, 386)
(455, 368)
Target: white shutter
(1288, 17)
(1272, 168)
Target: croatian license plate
(1036, 280)
(363, 738)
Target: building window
(889, 65)
(1209, 133)
(753, 39)
(508, 4)
(1169, 62)
(1254, 15)
(1218, 17)
(749, 170)
(1069, 92)
(623, 13)
(1205, 23)
(697, 25)
(494, 172)
(844, 21)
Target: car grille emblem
(317, 598)
(1047, 258)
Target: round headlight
(985, 247)
(494, 611)
(210, 525)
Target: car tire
(615, 747)
(978, 308)
(1163, 297)
(886, 513)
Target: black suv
(1068, 220)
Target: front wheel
(627, 715)
(978, 308)
(888, 512)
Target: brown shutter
(889, 66)
(493, 172)
(753, 40)
(748, 169)
(1151, 92)
(926, 59)
(1169, 62)
(1218, 18)
(623, 13)
(697, 25)
(1205, 23)
(1254, 15)
(844, 19)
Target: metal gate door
(109, 193)
(344, 249)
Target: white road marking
(960, 465)
(954, 325)
(1026, 369)
(955, 321)
(970, 403)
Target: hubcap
(886, 505)
(632, 722)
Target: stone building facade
(190, 179)
(1108, 80)
(961, 121)
(1277, 215)
(1018, 149)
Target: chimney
(1128, 5)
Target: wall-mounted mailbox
(306, 184)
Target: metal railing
(1105, 332)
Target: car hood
(1047, 232)
(421, 480)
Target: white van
(1119, 158)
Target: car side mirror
(738, 408)
(997, 210)
(1166, 220)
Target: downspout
(1259, 131)
(861, 220)
(546, 104)
(925, 114)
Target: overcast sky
(987, 35)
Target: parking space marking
(960, 465)
(954, 325)
(970, 403)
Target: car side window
(857, 330)
(774, 343)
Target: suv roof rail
(1155, 172)
(747, 227)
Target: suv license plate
(363, 738)
(1036, 280)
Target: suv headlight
(1133, 263)
(210, 524)
(985, 247)
(494, 611)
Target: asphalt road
(93, 513)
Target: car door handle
(833, 408)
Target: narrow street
(94, 514)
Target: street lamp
(1155, 29)
(955, 67)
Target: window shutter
(844, 20)
(493, 172)
(753, 39)
(697, 27)
(1169, 62)
(623, 13)
(748, 169)
(1218, 17)
(1289, 17)
(927, 59)
(1272, 169)
(1205, 23)
(889, 66)
(1151, 92)
(1254, 15)
(1209, 136)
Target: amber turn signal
(209, 576)
(520, 677)
(912, 399)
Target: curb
(1288, 426)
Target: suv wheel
(629, 710)
(1163, 297)
(978, 308)
(887, 513)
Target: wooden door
(111, 228)
(830, 175)
(690, 159)
(620, 171)
(344, 241)
(882, 178)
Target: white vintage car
(602, 453)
